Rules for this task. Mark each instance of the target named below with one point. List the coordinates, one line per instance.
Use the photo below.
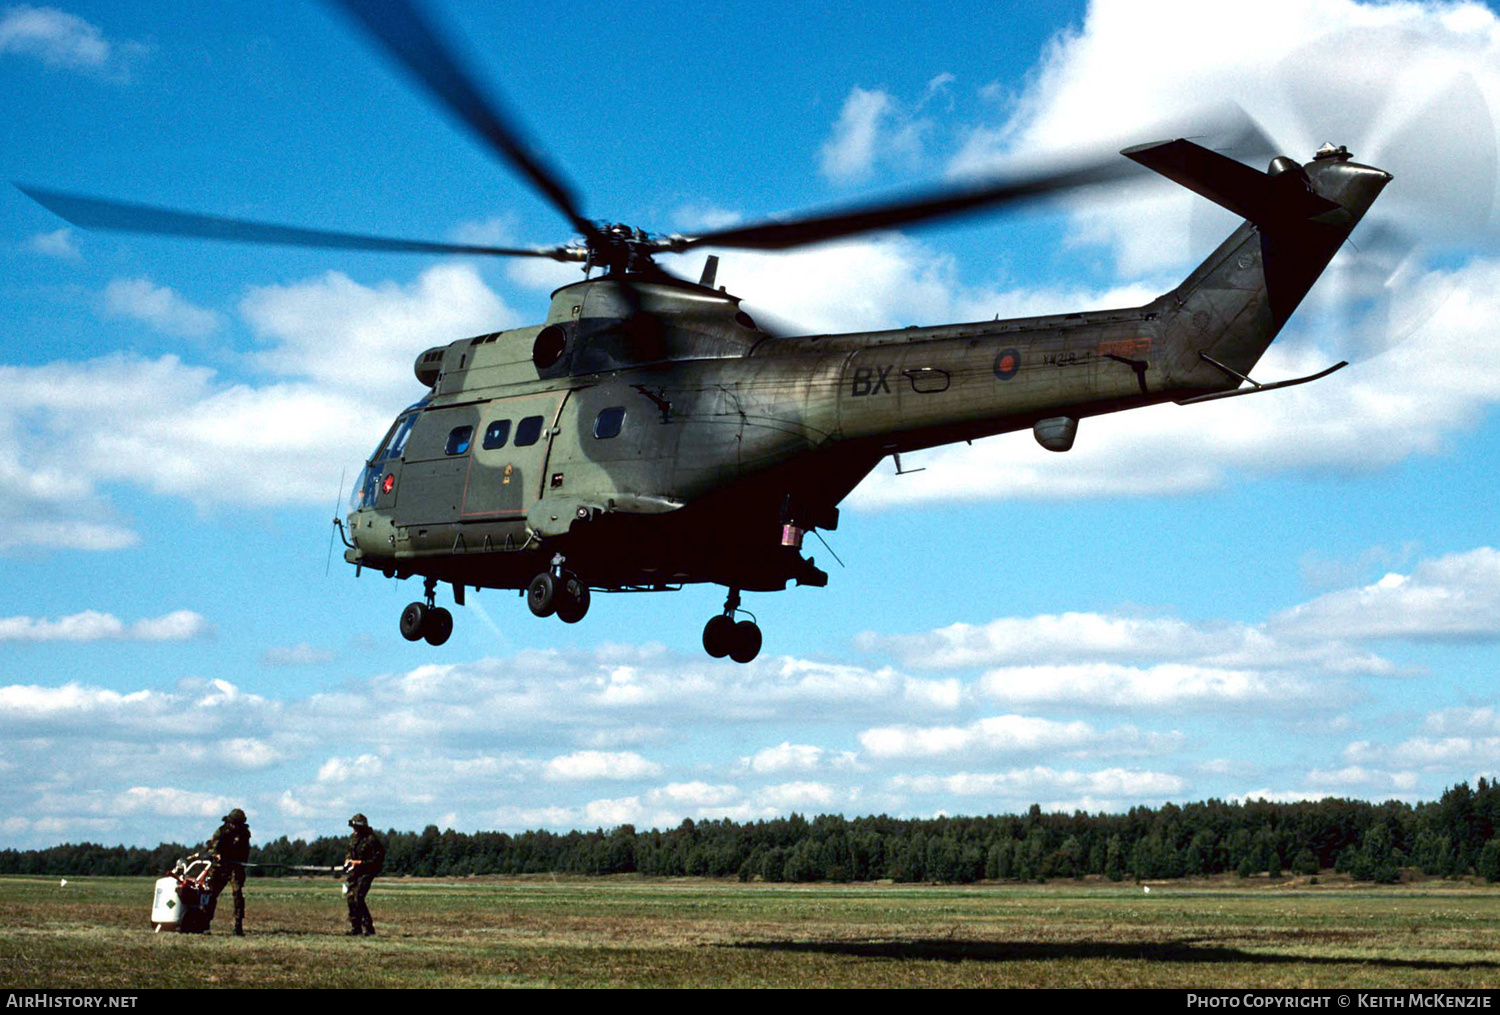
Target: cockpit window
(384, 442)
(397, 442)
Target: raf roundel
(1007, 363)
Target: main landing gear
(722, 636)
(560, 592)
(428, 621)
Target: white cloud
(799, 796)
(91, 625)
(170, 802)
(1372, 76)
(850, 153)
(20, 702)
(1284, 796)
(66, 41)
(701, 217)
(495, 231)
(521, 818)
(1455, 752)
(366, 767)
(1365, 781)
(301, 654)
(1168, 685)
(58, 244)
(581, 766)
(249, 753)
(1471, 719)
(160, 307)
(43, 502)
(790, 757)
(1079, 637)
(179, 625)
(1031, 784)
(1456, 597)
(666, 806)
(320, 327)
(1011, 734)
(170, 427)
(80, 714)
(69, 428)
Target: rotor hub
(621, 248)
(1331, 153)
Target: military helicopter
(649, 433)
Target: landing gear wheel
(541, 594)
(437, 626)
(413, 619)
(718, 636)
(745, 645)
(572, 600)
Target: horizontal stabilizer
(1263, 199)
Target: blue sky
(1289, 596)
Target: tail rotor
(1405, 107)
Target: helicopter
(650, 433)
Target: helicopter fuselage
(649, 434)
(710, 464)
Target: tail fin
(1301, 215)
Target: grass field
(626, 931)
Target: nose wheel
(723, 636)
(426, 620)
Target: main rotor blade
(119, 216)
(1228, 129)
(409, 37)
(783, 234)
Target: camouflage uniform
(365, 859)
(230, 848)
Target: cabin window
(528, 431)
(458, 440)
(496, 434)
(607, 424)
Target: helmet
(358, 821)
(235, 817)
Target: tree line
(1450, 837)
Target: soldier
(230, 848)
(365, 859)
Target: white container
(166, 907)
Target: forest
(1451, 837)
